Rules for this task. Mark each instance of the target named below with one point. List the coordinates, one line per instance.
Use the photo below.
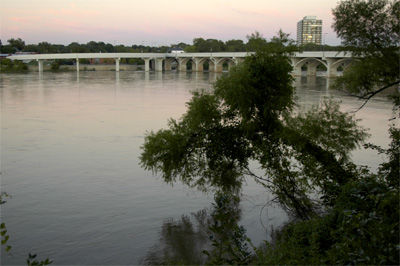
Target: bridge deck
(330, 59)
(330, 54)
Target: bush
(55, 65)
(368, 228)
(8, 65)
(362, 228)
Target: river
(70, 144)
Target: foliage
(235, 46)
(368, 27)
(370, 30)
(2, 196)
(4, 236)
(389, 171)
(362, 228)
(7, 49)
(255, 41)
(17, 43)
(317, 47)
(84, 61)
(190, 49)
(3, 229)
(31, 261)
(199, 45)
(229, 241)
(7, 65)
(55, 65)
(208, 45)
(250, 116)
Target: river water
(70, 144)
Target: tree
(17, 43)
(255, 41)
(235, 46)
(251, 116)
(370, 30)
(190, 49)
(75, 47)
(209, 45)
(46, 48)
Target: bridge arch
(221, 61)
(344, 62)
(333, 65)
(171, 63)
(186, 63)
(205, 63)
(311, 63)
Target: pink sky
(156, 22)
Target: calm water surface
(70, 146)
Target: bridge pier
(40, 65)
(331, 71)
(312, 68)
(218, 67)
(212, 66)
(77, 65)
(182, 63)
(296, 68)
(168, 63)
(197, 64)
(198, 67)
(146, 64)
(117, 64)
(158, 64)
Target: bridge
(164, 61)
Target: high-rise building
(309, 30)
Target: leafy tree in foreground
(370, 30)
(251, 116)
(361, 228)
(363, 225)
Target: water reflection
(213, 230)
(182, 241)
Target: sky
(156, 22)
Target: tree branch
(368, 96)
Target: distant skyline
(156, 22)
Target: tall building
(309, 30)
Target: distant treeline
(199, 45)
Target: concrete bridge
(164, 61)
